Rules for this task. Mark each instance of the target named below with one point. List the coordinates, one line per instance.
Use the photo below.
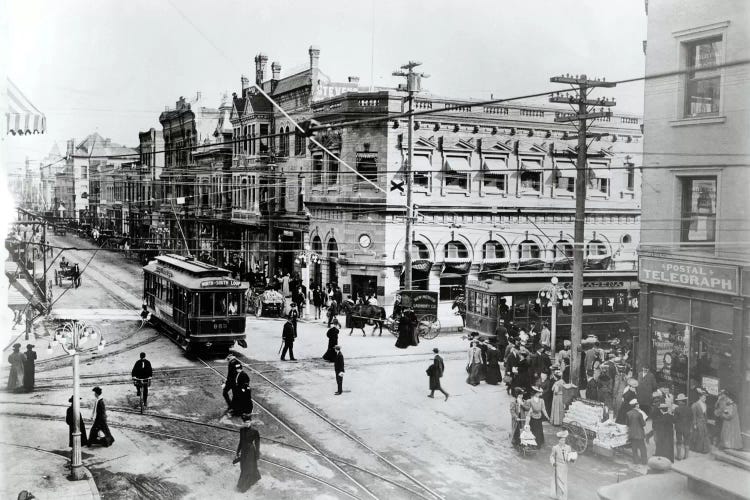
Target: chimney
(314, 56)
(260, 67)
(275, 70)
(70, 147)
(354, 79)
(245, 83)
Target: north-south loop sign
(692, 275)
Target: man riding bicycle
(142, 377)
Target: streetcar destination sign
(686, 274)
(222, 282)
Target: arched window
(419, 250)
(563, 250)
(317, 245)
(333, 248)
(456, 250)
(493, 250)
(528, 249)
(596, 248)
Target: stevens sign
(685, 274)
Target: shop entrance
(364, 285)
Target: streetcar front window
(206, 304)
(235, 304)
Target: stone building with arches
(493, 188)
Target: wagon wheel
(429, 326)
(578, 439)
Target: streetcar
(610, 304)
(200, 305)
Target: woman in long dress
(558, 408)
(700, 440)
(15, 379)
(493, 366)
(663, 424)
(333, 341)
(731, 436)
(561, 455)
(99, 417)
(407, 335)
(518, 410)
(248, 453)
(474, 365)
(537, 410)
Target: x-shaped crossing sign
(397, 185)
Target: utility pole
(413, 84)
(586, 111)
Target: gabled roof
(96, 145)
(289, 83)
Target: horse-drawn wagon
(68, 272)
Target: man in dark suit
(231, 375)
(338, 367)
(636, 433)
(240, 390)
(71, 425)
(646, 388)
(141, 371)
(288, 337)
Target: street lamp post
(552, 293)
(71, 336)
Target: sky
(113, 66)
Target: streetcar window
(478, 303)
(485, 305)
(633, 301)
(470, 300)
(493, 306)
(220, 304)
(621, 302)
(235, 304)
(207, 304)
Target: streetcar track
(185, 439)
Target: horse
(359, 314)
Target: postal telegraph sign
(692, 275)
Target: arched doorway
(333, 255)
(317, 272)
(456, 265)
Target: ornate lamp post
(551, 294)
(306, 259)
(72, 336)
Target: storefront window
(712, 363)
(670, 351)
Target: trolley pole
(413, 84)
(582, 86)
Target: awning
(565, 170)
(599, 173)
(562, 264)
(22, 117)
(457, 163)
(421, 163)
(455, 269)
(530, 265)
(419, 265)
(531, 165)
(600, 263)
(490, 265)
(498, 165)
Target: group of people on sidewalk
(22, 369)
(99, 434)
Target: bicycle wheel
(141, 399)
(578, 439)
(429, 326)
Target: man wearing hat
(240, 393)
(99, 433)
(15, 378)
(435, 372)
(29, 360)
(71, 425)
(232, 364)
(636, 432)
(338, 367)
(683, 424)
(141, 372)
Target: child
(527, 437)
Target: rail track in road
(116, 409)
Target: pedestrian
(141, 372)
(338, 367)
(719, 407)
(663, 425)
(593, 386)
(406, 327)
(99, 433)
(510, 364)
(521, 376)
(435, 372)
(29, 360)
(699, 438)
(731, 436)
(545, 384)
(636, 432)
(537, 410)
(518, 409)
(240, 391)
(71, 425)
(15, 378)
(294, 315)
(607, 380)
(646, 387)
(332, 311)
(622, 375)
(493, 376)
(232, 364)
(474, 364)
(561, 455)
(333, 340)
(287, 336)
(248, 454)
(683, 425)
(545, 336)
(317, 301)
(558, 408)
(628, 395)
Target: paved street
(382, 434)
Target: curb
(92, 484)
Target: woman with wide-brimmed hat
(700, 440)
(518, 409)
(562, 454)
(557, 411)
(537, 413)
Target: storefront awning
(531, 165)
(567, 170)
(530, 265)
(490, 265)
(457, 269)
(598, 262)
(22, 117)
(495, 165)
(562, 264)
(421, 163)
(419, 265)
(600, 173)
(457, 163)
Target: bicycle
(141, 384)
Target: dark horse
(357, 315)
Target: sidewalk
(42, 473)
